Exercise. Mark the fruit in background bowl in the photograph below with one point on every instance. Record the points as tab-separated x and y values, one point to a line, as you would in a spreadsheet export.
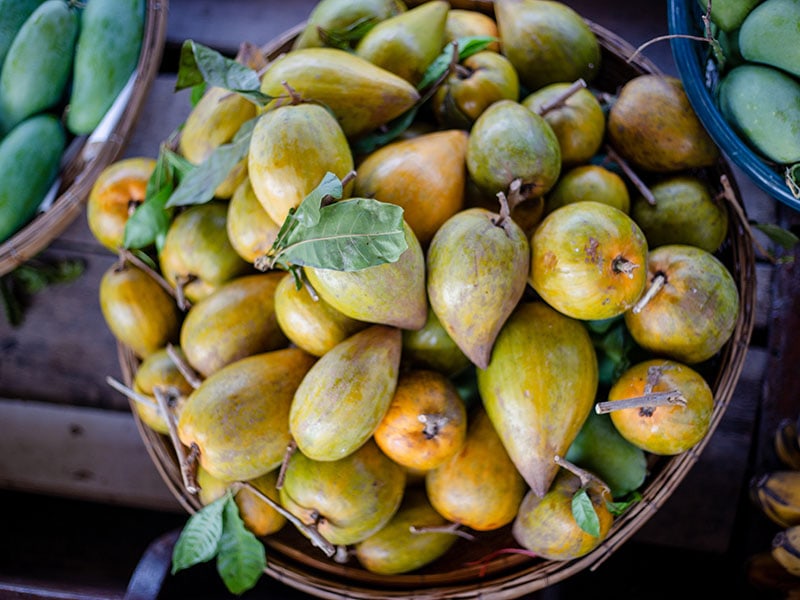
589	260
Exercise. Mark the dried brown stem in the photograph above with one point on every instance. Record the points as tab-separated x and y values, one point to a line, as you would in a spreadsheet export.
561	98
585	476
659	281
450	528
187	463
631	174
126	255
186	370
310	531
129	393
291	447
649	400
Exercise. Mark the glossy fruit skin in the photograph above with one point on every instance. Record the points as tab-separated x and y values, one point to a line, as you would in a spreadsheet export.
234	321
351	498
479	81
334	15
251	231
653	126
695	313
396	549
239	416
477	265
547	42
479	487
589	182
431	347
507	142
346	394
311	323
663	430
465	23
158	369
425	175
291	149
684	213
116	193
589	260
137	310
426	422
539	388
579	123
197	248
546	525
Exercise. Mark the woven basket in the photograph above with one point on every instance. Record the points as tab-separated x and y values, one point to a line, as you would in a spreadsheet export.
470	569
85	158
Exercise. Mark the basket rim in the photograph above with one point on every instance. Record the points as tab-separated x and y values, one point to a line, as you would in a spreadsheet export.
78	172
513	577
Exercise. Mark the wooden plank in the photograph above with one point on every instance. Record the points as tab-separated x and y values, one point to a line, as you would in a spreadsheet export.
78	452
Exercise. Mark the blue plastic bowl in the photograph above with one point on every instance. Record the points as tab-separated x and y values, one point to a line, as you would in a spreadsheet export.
697	71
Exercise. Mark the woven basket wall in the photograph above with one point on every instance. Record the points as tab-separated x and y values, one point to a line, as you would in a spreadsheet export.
293	561
84	160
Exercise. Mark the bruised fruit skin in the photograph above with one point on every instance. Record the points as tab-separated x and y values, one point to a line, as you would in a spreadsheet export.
425	175
239	416
547	527
664	430
344	396
589	260
291	150
426	422
372	294
361	95
137	310
396	548
477	265
348	499
236	320
654	127
539	388
311	323
478	487
116	193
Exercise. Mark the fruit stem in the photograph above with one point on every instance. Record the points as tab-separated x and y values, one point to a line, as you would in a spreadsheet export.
623	265
129	393
631	174
290	449
187	463
659	281
182	366
433	424
648	400
317	539
451	528
562	98
128	256
585	476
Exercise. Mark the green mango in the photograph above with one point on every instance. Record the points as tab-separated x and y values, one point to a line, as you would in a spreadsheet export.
762	104
407	43
728	14
771	35
15	13
344	21
600	448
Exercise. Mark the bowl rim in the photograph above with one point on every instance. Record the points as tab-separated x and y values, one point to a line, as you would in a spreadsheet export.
683	19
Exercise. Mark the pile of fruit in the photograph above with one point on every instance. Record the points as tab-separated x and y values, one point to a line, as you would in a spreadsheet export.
415	280
756	47
62	65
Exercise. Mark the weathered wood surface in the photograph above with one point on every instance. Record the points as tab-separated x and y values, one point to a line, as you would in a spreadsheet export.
57	361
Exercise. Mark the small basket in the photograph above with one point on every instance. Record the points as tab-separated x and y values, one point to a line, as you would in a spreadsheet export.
85	158
473	569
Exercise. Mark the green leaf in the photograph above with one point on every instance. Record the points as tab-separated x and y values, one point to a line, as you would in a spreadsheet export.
200	64
241	559
351	234
308	213
783	237
149	222
344	38
584	513
200	183
620	506
199	540
467	46
32	277
372	141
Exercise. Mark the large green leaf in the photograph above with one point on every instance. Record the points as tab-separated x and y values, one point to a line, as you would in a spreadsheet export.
200	537
241	559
